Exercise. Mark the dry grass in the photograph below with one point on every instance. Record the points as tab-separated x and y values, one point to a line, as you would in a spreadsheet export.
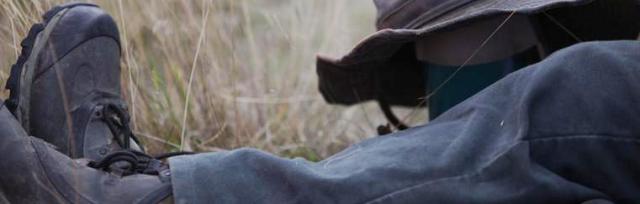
242	69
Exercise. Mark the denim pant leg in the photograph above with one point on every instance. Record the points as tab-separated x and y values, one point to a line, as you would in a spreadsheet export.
550	133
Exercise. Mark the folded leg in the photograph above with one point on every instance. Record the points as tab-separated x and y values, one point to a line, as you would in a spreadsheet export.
560	131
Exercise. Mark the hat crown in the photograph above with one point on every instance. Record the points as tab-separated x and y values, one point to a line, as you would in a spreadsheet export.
396	14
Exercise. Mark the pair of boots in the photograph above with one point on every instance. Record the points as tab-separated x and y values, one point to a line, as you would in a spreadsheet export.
65	91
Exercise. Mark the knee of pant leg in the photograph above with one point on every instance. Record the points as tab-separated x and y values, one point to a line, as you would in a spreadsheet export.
591	88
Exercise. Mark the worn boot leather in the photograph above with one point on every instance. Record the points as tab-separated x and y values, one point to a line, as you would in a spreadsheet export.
65	87
33	172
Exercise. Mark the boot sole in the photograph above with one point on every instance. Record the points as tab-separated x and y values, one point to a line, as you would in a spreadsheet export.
22	73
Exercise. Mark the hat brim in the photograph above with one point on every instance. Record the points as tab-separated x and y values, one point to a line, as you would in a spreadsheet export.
372	70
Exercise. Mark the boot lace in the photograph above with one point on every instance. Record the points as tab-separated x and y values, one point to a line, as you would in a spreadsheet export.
117	119
128	161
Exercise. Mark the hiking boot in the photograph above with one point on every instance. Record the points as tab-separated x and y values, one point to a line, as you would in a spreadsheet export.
33	172
65	86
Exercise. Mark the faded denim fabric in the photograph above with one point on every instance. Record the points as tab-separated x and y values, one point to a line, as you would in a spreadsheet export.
565	130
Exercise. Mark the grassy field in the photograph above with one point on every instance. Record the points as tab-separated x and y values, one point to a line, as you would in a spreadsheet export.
224	74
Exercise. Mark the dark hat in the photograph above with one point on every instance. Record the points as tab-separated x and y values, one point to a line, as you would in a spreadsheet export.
384	66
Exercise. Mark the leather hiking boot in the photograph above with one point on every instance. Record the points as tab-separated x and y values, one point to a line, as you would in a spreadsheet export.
65	86
33	172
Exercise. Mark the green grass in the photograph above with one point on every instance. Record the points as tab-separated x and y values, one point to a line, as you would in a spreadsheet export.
246	68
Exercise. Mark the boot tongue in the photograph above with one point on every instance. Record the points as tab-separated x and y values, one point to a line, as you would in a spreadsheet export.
108	131
116	148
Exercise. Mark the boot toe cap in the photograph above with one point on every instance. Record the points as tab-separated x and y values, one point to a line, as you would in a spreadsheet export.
77	25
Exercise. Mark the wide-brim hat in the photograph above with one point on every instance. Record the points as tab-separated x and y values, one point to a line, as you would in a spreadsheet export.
384	67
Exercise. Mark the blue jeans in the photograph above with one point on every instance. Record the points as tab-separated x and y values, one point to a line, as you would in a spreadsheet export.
565	130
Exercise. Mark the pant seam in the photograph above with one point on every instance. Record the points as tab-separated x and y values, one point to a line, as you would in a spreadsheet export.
585	136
